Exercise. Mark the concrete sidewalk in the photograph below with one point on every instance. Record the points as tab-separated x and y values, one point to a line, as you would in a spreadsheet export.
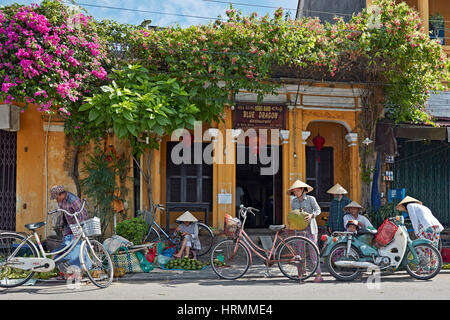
256	270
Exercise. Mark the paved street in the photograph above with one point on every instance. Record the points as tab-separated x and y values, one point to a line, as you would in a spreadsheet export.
253	286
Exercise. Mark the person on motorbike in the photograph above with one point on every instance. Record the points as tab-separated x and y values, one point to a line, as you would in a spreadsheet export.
424	223
354	209
335	218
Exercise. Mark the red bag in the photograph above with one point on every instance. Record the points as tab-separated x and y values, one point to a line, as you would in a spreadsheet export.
150	255
385	234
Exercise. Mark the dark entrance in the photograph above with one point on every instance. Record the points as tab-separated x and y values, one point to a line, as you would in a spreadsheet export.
8	164
261	191
320	175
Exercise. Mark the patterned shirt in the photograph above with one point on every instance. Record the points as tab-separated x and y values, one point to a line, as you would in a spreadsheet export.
72	204
310	205
335	218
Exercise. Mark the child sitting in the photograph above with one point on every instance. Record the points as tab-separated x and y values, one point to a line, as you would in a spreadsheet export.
188	229
352	226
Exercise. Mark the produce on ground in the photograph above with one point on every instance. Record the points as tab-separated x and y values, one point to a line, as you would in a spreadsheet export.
186	264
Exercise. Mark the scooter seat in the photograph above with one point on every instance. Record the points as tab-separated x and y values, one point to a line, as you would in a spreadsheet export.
34	226
277	227
366	231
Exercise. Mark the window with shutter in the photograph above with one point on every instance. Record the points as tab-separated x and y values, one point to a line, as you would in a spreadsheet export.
188	182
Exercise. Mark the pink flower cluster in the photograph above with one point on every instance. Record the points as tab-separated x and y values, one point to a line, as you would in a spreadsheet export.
45	63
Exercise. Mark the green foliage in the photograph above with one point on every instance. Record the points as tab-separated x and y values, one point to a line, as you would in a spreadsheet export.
100	184
384	212
137	105
132	229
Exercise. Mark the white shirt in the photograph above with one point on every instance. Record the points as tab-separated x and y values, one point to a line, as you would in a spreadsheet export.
422	218
364	222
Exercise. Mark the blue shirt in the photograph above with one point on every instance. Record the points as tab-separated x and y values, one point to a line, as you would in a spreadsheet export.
336	215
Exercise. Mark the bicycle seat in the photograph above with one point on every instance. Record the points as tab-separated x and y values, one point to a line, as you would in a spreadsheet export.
34	226
277	227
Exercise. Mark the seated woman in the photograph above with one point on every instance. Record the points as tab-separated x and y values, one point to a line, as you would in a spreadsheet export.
354	209
188	229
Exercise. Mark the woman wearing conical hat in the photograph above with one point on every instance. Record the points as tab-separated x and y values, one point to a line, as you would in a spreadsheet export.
354	209
335	217
188	229
425	225
309	204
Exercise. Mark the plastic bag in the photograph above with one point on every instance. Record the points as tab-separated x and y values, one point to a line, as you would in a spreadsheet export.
146	266
169	252
151	253
162	260
115	242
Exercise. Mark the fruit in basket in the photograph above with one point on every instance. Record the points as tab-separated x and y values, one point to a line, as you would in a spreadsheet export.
296	219
119	272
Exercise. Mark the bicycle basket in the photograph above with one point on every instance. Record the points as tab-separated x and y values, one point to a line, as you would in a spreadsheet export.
91	227
232	225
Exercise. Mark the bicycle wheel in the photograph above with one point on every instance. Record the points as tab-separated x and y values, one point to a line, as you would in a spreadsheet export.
95	260
430	262
206	238
9	276
298	258
339	253
151	236
229	259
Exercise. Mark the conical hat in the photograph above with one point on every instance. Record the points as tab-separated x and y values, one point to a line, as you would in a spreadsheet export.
407	199
187	216
299	184
353	204
337	189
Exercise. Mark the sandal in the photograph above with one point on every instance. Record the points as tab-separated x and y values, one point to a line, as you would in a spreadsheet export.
318	279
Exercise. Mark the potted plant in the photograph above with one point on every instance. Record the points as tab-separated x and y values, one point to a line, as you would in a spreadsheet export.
437	28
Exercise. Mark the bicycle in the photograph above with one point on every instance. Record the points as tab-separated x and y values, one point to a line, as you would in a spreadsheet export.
297	257
155	231
19	253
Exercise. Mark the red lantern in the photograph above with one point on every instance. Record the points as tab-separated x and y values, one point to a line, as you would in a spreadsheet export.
256	141
318	142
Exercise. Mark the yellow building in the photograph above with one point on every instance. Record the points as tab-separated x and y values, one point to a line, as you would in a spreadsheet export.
298	113
39	155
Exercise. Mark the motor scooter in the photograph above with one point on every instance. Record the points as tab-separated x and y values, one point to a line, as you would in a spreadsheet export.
348	254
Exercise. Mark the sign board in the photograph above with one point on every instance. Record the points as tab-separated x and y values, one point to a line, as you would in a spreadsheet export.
264	116
225	198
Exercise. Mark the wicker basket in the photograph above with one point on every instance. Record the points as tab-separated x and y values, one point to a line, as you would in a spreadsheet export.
231	227
91	227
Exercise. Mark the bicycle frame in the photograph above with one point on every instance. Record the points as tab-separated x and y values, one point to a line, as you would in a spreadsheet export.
158	228
64	251
250	246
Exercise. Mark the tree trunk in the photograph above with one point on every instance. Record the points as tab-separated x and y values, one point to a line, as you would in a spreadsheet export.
372	110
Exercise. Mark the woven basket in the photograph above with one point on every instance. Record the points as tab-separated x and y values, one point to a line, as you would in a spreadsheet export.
91	227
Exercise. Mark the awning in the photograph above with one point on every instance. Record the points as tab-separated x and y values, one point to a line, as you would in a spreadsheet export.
387	132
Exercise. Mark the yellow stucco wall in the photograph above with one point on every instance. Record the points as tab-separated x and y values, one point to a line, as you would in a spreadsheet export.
44	159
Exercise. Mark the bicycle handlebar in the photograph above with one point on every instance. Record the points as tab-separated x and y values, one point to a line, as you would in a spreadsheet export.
243	210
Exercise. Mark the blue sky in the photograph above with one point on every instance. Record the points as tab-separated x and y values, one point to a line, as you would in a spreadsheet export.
197	8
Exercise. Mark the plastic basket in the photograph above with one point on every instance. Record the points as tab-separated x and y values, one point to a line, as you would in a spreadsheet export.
385	234
91	227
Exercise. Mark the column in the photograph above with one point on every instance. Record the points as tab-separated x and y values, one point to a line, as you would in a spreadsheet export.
424	12
355	185
224	170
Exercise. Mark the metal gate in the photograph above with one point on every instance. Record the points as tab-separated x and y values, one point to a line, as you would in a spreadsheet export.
8	163
423	168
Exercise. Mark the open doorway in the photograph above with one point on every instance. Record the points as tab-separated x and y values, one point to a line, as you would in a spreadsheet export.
261	191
